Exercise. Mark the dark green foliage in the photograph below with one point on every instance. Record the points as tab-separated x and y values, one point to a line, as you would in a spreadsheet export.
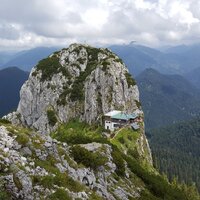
119	60
130	80
60	194
93	53
45	181
77	90
138	104
119	161
147	196
50	66
4	121
4	195
99	101
156	184
87	158
51	117
134	153
62	98
105	65
176	150
22	139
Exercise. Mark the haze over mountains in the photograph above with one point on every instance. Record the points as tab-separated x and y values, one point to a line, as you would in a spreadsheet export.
25	60
175	60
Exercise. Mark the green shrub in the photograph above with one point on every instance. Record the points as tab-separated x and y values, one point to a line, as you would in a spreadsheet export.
87	158
63	180
138	104
49	66
22	139
77	90
45	181
4	121
121	140
119	162
119	60
105	65
129	79
94	196
51	117
60	179
134	153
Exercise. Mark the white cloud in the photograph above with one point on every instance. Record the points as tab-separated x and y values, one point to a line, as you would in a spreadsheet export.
58	22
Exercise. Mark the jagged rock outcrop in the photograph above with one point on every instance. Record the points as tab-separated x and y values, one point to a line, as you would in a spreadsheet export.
77	82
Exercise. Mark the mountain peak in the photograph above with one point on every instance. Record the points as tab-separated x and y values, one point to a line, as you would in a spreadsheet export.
81	82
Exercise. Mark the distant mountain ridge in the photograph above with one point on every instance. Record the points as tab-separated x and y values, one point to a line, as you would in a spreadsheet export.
27	59
167	99
11	80
175	60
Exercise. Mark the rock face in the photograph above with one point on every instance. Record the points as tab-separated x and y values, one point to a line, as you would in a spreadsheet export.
35	166
78	82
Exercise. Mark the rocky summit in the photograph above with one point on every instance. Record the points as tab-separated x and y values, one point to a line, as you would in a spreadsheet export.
55	146
78	82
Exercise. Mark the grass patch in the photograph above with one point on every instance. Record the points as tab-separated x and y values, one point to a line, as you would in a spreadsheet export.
126	139
60	194
60	180
22	139
75	132
23	134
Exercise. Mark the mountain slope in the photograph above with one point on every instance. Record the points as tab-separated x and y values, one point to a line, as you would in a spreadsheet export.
25	60
78	85
11	80
35	166
176	150
166	99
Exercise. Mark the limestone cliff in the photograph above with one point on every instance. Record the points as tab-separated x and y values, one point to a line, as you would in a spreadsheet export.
77	82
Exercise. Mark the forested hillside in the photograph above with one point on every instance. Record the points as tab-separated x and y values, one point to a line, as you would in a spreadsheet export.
167	99
176	150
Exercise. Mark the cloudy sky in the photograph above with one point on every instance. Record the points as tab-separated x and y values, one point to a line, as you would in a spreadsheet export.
26	24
